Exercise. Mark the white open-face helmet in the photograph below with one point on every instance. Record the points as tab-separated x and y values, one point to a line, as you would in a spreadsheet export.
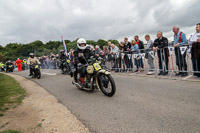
81	41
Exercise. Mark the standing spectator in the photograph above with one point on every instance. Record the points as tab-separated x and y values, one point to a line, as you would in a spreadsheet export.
97	51
141	47
92	49
69	55
115	53
135	50
71	58
57	61
47	62
54	62
139	43
127	47
51	60
122	60
19	62
179	40
71	50
105	53
109	48
127	44
195	51
41	60
149	57
160	45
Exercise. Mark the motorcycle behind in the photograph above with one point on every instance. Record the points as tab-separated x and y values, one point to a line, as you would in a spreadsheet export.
66	67
36	71
9	68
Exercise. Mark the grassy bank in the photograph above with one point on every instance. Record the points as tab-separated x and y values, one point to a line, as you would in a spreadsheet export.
11	93
10	131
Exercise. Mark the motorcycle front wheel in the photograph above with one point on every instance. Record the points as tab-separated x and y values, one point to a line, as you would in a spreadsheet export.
107	85
38	75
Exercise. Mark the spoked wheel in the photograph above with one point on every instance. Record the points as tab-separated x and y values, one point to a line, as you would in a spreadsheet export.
68	69
107	85
64	70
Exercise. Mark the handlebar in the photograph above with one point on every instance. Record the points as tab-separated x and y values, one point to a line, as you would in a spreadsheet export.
90	62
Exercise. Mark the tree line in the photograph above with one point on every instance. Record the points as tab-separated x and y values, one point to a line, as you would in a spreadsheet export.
12	51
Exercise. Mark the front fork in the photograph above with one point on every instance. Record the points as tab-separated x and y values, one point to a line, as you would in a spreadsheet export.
97	77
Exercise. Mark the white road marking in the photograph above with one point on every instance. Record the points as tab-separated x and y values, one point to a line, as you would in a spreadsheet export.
48	73
187	77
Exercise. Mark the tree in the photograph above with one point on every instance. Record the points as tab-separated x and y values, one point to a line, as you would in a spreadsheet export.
102	43
2	58
91	42
11	50
52	44
67	41
1	48
114	42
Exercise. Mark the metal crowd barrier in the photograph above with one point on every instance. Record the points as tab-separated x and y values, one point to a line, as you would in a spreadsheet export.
167	61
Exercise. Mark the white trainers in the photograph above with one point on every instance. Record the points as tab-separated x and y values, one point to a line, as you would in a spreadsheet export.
150	72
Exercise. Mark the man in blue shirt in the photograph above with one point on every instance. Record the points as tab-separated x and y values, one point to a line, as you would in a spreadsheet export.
180	40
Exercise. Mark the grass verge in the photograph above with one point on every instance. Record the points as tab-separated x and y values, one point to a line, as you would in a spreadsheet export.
11	93
10	131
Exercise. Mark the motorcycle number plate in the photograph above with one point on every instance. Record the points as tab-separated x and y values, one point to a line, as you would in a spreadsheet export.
97	66
36	66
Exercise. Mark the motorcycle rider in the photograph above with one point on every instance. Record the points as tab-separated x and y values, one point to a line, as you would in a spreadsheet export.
32	60
2	67
63	58
81	54
8	64
24	66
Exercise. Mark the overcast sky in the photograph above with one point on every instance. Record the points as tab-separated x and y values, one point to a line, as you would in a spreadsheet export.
25	21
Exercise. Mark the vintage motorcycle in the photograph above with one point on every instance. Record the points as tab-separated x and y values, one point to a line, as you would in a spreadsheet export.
66	67
2	69
96	78
9	68
36	71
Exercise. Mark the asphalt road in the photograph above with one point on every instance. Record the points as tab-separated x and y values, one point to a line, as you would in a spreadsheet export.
140	105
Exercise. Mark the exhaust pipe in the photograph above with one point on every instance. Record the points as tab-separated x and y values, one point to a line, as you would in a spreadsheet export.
74	83
79	86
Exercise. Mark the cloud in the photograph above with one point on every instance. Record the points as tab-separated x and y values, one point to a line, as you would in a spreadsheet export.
25	21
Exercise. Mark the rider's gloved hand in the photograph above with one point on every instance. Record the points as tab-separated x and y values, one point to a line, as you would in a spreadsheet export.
79	64
99	58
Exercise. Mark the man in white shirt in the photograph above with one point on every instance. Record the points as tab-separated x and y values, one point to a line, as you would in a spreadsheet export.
115	53
195	51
